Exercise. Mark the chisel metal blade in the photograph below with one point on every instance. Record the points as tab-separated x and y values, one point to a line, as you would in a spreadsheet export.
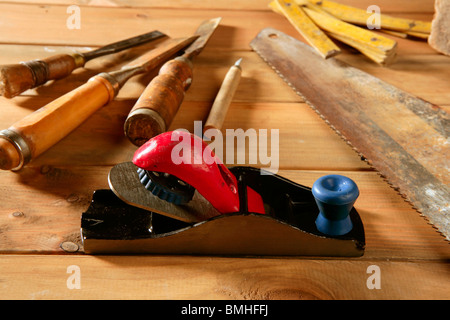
122	45
405	138
204	32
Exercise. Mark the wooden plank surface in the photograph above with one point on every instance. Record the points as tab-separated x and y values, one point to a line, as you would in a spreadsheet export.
41	206
387	6
37	226
199	278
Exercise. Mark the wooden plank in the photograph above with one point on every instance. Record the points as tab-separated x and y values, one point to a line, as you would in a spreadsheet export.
49	27
211	66
50	24
385	5
315	146
325	150
209	70
190	278
41	208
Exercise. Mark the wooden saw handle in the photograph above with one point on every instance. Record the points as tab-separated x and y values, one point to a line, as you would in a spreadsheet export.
158	104
34	134
17	78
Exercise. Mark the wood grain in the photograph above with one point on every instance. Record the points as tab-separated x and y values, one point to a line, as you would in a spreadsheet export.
236	30
211	66
385	5
197	278
158	104
41	206
315	146
14	79
61	194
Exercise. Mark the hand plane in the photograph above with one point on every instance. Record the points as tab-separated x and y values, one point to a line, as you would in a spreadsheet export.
177	197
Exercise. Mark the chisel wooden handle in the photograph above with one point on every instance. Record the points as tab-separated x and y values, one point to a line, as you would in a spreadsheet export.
17	78
156	107
34	134
223	99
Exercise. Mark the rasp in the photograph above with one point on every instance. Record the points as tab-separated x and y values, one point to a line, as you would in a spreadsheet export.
16	78
405	138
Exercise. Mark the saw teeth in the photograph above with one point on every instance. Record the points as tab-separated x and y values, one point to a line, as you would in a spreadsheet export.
163	192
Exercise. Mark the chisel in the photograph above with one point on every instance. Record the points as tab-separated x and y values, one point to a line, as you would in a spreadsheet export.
34	134
223	99
156	107
17	78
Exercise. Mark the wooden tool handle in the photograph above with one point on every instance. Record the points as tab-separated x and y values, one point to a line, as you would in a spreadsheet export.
34	134
157	106
16	78
223	99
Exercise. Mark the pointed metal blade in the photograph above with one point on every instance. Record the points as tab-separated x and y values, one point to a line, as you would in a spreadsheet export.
123	44
204	32
160	54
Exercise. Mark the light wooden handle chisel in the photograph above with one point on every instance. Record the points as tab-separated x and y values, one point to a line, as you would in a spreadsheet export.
34	134
223	99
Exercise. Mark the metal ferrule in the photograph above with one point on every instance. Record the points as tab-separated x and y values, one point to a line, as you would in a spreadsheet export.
112	80
118	78
79	59
39	70
21	146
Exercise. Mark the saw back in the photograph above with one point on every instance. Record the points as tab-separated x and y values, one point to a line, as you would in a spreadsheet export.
404	137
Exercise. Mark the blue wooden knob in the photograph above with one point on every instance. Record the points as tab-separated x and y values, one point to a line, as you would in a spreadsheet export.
335	196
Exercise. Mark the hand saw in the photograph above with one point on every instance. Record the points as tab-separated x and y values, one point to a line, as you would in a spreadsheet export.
404	137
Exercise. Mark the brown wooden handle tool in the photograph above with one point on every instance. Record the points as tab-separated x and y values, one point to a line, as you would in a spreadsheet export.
16	78
158	104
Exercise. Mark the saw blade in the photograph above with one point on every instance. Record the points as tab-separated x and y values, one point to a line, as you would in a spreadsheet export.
403	137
